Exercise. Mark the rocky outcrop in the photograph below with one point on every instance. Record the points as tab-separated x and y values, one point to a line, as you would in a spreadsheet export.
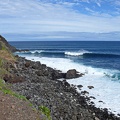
73	74
13	78
90	87
11	48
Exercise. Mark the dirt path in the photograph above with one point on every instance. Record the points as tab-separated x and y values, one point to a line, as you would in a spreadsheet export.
12	108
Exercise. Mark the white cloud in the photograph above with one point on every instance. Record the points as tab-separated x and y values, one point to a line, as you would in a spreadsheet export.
112	36
98	4
31	16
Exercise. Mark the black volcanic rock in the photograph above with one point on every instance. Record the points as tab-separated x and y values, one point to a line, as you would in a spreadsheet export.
41	87
72	73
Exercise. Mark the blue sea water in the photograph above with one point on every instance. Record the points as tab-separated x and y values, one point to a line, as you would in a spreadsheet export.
100	54
98	60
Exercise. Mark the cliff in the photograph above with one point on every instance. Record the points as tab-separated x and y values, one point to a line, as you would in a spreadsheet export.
3	40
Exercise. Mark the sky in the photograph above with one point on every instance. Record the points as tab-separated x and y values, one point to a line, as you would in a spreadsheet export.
60	20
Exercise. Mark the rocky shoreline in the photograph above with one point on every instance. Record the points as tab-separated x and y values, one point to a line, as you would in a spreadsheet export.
41	86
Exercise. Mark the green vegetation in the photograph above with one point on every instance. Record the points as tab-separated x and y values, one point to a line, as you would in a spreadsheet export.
5	57
45	111
5	89
3	71
5	53
4	47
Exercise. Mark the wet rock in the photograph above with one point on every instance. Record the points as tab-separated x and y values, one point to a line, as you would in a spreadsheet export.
71	74
91	97
57	75
79	86
84	92
118	114
90	87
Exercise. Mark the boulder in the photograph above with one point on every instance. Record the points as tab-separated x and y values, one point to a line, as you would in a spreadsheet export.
13	78
84	92
90	87
36	65
72	73
57	75
79	86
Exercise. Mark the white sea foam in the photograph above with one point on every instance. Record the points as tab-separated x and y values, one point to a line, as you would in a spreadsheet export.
105	89
79	53
21	52
36	51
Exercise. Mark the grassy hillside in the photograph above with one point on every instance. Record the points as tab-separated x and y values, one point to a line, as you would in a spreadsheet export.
6	58
5	53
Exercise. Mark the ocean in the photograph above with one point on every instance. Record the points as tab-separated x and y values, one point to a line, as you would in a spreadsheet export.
98	60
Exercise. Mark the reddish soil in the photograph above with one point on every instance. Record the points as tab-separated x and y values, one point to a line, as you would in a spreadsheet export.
12	108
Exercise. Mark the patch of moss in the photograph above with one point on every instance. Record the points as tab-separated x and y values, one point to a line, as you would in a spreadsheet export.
45	111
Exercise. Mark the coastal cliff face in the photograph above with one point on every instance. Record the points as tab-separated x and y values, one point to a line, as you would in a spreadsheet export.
6	57
3	40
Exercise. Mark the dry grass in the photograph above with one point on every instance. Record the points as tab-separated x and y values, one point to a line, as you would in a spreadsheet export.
4	54
5	57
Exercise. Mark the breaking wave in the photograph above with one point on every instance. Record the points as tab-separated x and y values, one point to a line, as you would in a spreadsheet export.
79	53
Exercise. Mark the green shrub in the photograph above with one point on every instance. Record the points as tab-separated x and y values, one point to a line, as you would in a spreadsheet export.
45	111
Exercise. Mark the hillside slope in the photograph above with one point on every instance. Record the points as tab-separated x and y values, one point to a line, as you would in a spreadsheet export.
12	107
11	48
